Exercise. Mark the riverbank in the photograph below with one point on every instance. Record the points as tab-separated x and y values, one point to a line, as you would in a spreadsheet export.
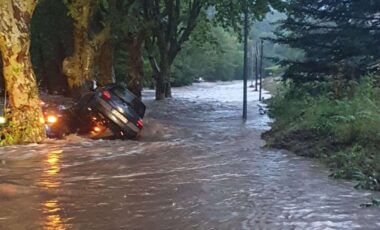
344	133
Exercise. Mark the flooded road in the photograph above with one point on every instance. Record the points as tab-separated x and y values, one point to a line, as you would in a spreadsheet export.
196	166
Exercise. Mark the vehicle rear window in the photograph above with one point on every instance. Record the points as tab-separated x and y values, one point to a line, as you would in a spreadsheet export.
130	99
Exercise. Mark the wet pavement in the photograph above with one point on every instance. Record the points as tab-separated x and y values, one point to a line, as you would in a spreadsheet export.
196	166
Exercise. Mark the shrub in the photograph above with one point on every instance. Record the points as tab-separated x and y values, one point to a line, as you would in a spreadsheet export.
347	128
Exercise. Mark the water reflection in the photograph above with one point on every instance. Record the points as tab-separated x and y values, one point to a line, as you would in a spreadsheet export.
53	220
50	180
51	169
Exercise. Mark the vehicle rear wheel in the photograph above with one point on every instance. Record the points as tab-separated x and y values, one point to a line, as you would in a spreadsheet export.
116	130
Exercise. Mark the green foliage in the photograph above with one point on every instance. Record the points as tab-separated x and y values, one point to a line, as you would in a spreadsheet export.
220	60
127	19
327	108
356	163
212	53
347	129
174	23
229	13
339	38
11	134
80	11
6	138
120	63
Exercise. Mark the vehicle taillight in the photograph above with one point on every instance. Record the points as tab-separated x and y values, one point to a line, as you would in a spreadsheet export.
106	95
140	123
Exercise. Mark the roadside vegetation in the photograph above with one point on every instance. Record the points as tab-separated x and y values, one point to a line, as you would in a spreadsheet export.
328	104
344	132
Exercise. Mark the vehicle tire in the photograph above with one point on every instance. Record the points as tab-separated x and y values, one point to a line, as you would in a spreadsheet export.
119	133
116	130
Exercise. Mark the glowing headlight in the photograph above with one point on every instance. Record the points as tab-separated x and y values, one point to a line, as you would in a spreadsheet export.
97	129
52	119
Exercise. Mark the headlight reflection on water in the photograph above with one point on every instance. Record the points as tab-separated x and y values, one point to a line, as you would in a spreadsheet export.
50	180
51	169
53	220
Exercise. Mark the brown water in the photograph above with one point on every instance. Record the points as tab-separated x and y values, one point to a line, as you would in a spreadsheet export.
196	166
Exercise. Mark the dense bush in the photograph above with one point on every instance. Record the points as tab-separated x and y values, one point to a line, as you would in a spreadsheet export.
344	130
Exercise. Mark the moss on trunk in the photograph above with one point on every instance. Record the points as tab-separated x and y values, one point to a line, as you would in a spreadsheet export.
24	111
79	68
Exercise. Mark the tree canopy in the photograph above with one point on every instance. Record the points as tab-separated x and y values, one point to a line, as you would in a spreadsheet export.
76	41
339	38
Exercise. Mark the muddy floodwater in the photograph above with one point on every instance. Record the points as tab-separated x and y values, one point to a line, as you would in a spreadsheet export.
196	166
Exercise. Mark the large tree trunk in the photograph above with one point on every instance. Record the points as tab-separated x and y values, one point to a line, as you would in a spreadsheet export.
168	52
2	83
160	87
79	68
163	78
105	63
135	63
163	86
25	112
165	66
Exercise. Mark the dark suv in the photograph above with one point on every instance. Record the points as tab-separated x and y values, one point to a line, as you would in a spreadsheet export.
110	111
111	108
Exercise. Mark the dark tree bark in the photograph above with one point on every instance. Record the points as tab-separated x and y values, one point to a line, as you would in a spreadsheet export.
134	43
52	71
105	63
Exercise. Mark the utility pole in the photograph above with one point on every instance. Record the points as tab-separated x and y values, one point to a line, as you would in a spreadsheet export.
252	63
245	62
261	69
256	65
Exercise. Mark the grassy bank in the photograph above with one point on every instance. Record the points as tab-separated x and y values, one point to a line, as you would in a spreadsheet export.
343	131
